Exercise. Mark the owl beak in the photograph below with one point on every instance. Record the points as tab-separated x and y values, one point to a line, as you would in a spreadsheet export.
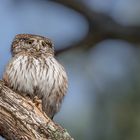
37	48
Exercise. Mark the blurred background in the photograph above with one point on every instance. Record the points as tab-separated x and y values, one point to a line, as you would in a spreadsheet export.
98	42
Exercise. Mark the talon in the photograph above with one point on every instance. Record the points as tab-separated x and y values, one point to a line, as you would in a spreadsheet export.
38	103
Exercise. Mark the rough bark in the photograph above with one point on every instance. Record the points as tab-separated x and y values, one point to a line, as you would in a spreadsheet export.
20	119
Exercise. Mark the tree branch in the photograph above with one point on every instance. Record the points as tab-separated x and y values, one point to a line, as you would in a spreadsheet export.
101	27
20	119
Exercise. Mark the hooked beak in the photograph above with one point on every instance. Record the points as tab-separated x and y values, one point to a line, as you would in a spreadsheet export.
37	47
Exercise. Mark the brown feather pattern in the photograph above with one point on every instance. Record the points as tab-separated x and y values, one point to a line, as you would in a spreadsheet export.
34	71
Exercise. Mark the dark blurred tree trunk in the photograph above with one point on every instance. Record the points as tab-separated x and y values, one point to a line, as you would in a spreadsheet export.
101	27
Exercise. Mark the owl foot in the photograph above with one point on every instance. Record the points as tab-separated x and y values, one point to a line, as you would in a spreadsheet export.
38	103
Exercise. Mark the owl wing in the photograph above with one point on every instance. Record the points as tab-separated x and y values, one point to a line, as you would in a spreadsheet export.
5	78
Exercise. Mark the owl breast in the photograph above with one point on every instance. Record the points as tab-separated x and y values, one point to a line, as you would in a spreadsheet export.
43	77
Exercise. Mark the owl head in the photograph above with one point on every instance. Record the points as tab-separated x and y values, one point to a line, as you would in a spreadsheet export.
33	44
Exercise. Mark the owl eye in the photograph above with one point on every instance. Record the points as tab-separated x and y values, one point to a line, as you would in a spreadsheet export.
45	43
29	41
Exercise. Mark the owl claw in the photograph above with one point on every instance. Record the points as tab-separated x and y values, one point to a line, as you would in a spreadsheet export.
38	103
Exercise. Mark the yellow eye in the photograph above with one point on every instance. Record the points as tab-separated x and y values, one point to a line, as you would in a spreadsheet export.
29	41
45	43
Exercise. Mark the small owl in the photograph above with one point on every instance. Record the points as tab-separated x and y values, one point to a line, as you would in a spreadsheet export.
34	71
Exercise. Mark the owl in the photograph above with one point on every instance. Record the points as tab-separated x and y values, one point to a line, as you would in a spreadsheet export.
34	71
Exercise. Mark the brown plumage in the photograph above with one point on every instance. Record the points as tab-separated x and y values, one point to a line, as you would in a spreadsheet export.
34	71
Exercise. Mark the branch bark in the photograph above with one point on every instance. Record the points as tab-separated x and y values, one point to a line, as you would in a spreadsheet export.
20	119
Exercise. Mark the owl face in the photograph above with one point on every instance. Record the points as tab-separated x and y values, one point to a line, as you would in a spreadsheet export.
33	44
